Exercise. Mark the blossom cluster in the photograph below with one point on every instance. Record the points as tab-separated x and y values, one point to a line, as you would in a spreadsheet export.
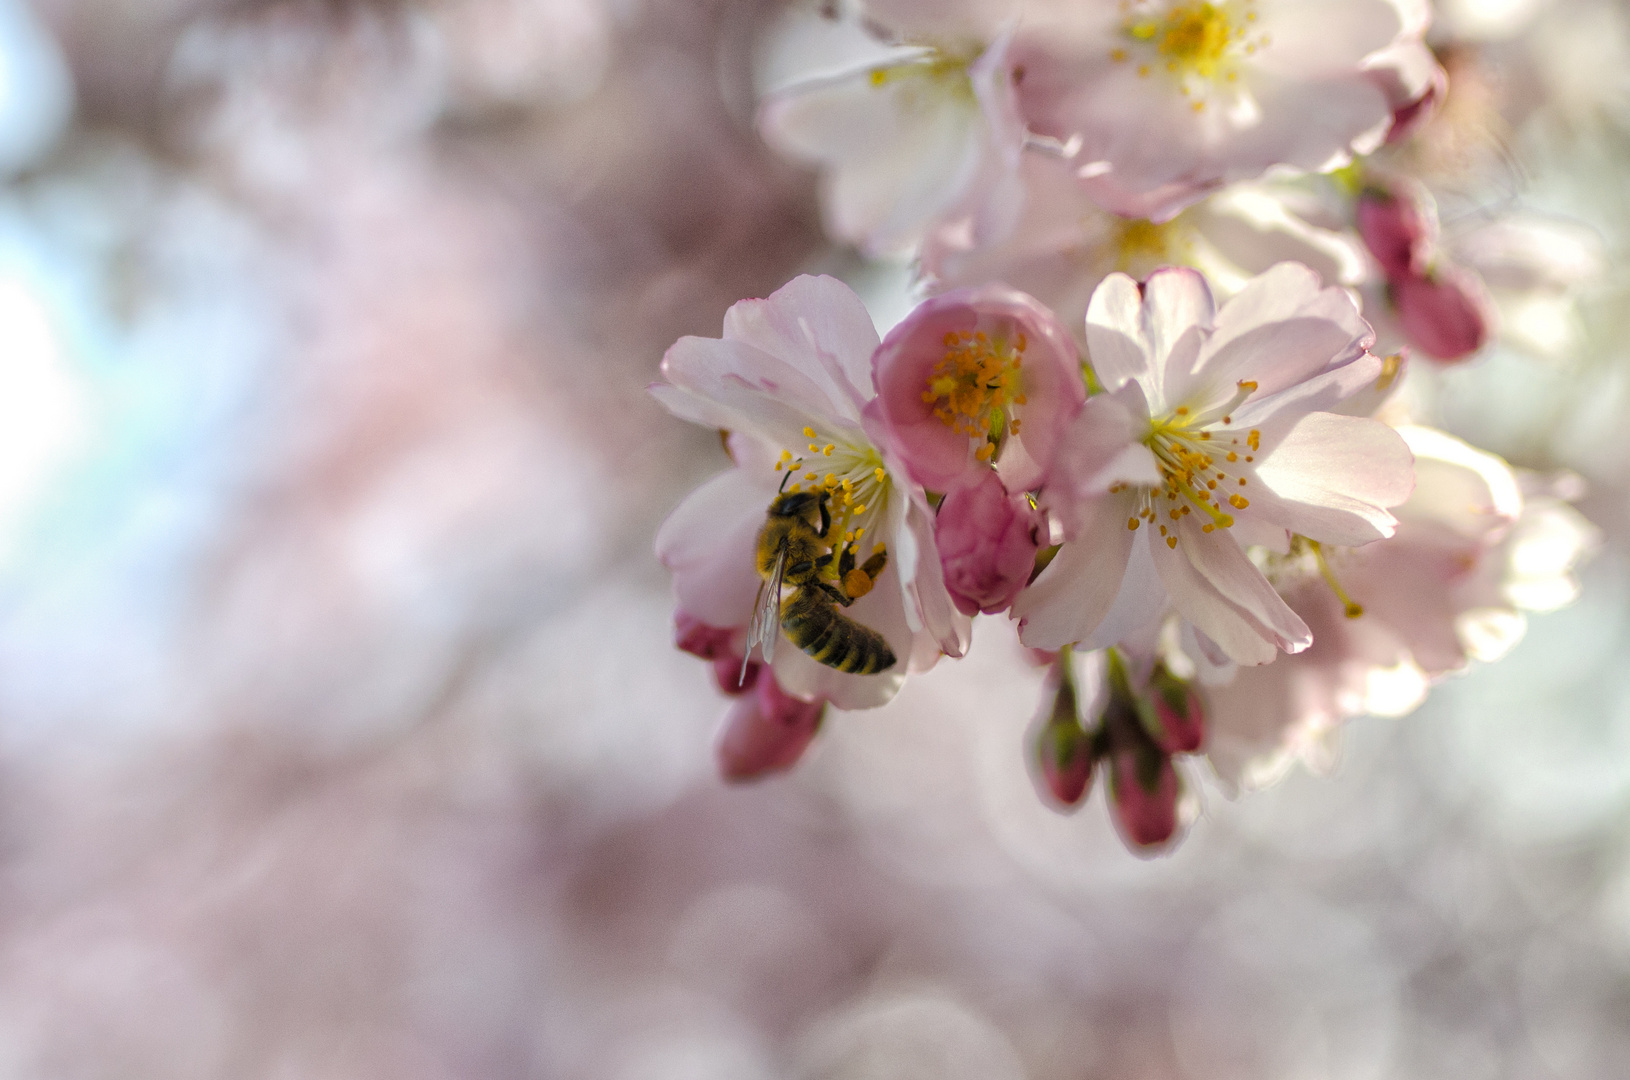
1175	259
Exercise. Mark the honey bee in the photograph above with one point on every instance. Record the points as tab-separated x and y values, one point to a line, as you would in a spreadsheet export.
793	551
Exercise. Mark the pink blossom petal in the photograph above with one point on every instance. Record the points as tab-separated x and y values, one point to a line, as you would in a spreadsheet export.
733	386
1280	329
927	593
898	153
1331	477
817	325
1220	560
1070	598
1099	449
1243	639
708	542
1177	316
1117	345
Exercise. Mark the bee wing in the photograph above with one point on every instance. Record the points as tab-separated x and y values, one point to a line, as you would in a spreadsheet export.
766	624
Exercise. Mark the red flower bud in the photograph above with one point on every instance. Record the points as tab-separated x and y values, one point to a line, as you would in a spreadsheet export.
1179	712
1143	790
766	731
1399	230
1064	755
732	678
696	637
988	540
1446	313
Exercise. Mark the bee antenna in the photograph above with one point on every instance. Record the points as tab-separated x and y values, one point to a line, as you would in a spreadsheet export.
784	478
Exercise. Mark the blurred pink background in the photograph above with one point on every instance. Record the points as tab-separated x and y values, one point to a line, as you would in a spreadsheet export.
341	732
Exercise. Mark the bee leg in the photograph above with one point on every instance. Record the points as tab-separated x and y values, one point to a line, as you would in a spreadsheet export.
846	561
874	565
798	571
826	517
835	593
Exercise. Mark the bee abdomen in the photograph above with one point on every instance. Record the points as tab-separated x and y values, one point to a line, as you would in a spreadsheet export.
833	639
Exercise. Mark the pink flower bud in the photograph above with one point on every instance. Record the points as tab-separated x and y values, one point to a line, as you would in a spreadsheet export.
766	731
1446	314
1143	790
719	645
732	678
1398	229
696	637
973	377
987	541
1064	753
1179	712
1411	116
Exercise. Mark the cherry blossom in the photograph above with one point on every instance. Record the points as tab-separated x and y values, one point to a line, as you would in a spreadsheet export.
1214	434
1062	244
928	138
789	381
1159	102
1472	553
975	378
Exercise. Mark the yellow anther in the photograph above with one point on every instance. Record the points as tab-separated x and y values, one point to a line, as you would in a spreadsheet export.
984	452
1248	385
809	476
1207	527
878	550
809	433
1254	440
880	474
1238	502
1117	55
1171	542
828	448
1132	523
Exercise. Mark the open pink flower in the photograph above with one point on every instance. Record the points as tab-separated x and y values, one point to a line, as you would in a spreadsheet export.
1471	554
988	538
1062	244
1215	434
1160	101
926	139
789	380
975	377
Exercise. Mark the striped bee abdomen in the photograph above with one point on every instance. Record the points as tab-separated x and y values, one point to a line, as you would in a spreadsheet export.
813	623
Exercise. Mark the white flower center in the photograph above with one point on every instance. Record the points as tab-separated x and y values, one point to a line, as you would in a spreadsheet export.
1204	465
852	476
